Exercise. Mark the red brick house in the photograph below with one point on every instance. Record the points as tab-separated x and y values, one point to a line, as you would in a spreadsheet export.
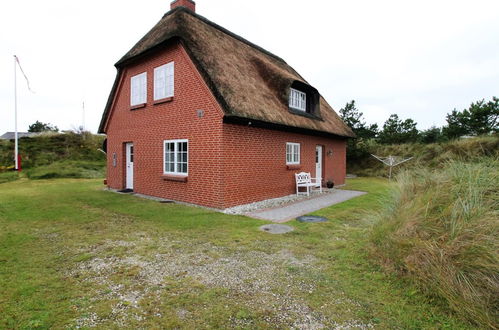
200	115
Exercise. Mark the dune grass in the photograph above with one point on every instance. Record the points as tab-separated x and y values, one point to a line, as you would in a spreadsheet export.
51	147
78	169
55	155
433	155
441	231
68	169
72	254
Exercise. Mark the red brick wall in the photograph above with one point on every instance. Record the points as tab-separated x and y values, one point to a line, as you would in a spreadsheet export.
255	162
228	164
148	127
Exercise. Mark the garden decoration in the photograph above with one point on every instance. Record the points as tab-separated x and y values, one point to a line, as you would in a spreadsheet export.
391	161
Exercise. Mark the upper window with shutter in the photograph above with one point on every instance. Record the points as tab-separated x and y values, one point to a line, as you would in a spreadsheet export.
138	89
164	81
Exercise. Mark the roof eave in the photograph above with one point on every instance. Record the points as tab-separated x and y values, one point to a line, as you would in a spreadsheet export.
109	102
245	121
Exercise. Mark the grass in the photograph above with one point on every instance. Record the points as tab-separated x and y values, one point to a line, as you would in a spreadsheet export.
82	169
8	176
68	169
55	155
72	255
441	231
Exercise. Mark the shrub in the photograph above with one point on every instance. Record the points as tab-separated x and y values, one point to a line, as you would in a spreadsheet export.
441	230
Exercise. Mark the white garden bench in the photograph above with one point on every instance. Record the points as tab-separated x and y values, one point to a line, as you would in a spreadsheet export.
303	180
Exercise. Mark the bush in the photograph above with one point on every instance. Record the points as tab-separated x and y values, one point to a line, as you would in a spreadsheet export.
68	169
441	230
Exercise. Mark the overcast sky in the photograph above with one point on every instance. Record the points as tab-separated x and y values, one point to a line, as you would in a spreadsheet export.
419	59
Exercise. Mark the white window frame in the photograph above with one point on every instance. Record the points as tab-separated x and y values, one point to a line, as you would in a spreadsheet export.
138	89
292	153
175	155
164	81
297	100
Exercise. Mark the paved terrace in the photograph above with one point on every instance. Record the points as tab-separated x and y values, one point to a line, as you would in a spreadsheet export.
290	211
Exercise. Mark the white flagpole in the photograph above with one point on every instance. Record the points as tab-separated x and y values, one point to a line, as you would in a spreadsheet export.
83	117
16	144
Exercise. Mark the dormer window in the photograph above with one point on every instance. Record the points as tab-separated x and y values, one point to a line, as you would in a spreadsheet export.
297	100
304	100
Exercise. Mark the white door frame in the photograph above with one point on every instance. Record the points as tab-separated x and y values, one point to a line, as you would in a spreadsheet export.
129	155
318	162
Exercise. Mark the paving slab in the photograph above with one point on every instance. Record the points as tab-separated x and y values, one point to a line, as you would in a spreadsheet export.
276	229
293	210
311	219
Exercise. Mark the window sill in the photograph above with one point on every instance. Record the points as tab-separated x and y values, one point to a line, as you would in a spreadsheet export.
138	106
305	114
298	109
175	178
165	100
293	166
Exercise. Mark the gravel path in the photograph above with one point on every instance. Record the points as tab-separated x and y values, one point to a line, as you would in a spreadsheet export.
258	280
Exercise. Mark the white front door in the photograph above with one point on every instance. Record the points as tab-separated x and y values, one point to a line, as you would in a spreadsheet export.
318	163
129	166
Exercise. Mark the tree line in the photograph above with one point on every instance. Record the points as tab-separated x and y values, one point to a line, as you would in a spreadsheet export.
480	118
38	127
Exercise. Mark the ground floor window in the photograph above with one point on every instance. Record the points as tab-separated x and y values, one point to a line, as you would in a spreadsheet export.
292	153
176	156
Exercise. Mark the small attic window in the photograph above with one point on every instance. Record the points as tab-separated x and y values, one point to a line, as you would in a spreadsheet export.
297	100
304	100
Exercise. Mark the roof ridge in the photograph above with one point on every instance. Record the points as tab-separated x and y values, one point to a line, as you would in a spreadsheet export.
224	30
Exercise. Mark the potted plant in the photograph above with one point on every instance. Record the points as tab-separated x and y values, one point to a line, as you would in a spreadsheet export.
329	183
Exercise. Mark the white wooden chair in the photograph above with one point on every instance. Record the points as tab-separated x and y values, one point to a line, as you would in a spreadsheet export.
303	180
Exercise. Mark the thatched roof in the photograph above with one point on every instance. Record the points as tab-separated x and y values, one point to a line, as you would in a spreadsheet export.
249	82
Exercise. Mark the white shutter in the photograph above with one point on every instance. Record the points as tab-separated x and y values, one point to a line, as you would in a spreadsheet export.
160	82
134	89
143	88
170	79
296	153
138	89
164	81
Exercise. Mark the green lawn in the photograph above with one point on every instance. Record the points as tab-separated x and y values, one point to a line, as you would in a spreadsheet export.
73	255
